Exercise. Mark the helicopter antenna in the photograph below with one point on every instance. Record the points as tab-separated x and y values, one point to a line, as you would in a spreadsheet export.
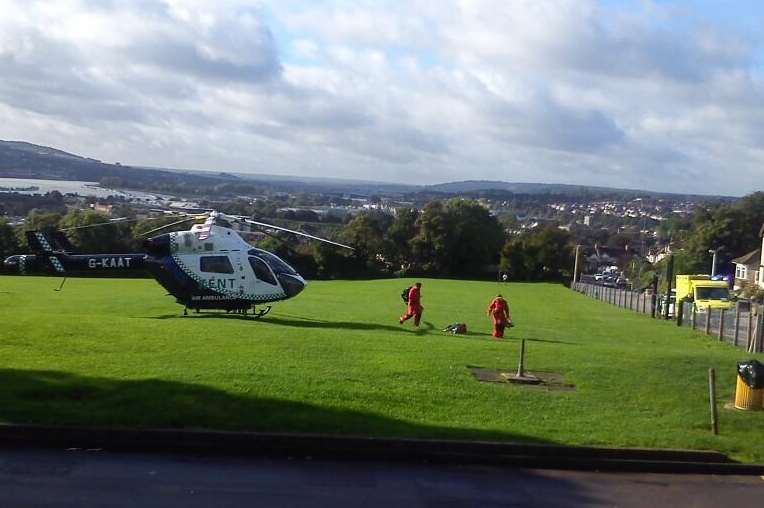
291	231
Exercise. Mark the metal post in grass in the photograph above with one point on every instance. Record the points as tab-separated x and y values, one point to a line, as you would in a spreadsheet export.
708	320
721	325
521	365
712	401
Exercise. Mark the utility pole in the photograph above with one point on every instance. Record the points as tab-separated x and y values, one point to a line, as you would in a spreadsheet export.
669	280
713	261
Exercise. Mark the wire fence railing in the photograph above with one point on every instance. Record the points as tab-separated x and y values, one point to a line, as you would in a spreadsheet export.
741	326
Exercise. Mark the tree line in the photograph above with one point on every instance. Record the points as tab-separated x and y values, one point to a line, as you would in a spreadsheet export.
446	238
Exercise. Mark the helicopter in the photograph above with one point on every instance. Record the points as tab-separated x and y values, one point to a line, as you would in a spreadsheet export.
210	266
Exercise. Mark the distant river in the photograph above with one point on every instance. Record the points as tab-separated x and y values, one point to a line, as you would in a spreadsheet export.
68	187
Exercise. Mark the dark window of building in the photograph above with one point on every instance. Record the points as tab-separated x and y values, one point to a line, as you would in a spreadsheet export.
215	264
262	272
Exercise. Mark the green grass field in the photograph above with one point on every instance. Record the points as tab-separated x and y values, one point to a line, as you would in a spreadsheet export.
334	359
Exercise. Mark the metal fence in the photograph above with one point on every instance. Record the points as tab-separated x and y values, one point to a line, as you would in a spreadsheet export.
741	326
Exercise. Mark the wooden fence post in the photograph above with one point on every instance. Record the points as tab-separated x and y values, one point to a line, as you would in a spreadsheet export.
679	309
712	400
721	325
737	324
708	320
694	316
755	345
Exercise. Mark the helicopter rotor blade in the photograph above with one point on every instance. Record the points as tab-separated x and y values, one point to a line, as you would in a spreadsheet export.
146	233
119	220
292	231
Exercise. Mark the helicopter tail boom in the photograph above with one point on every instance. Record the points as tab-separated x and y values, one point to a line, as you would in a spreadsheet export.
58	263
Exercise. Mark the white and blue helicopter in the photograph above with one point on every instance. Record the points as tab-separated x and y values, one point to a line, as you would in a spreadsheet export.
210	266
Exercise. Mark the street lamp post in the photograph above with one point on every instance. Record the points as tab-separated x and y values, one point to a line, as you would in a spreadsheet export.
713	261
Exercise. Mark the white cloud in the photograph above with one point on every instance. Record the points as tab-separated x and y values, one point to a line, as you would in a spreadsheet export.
536	90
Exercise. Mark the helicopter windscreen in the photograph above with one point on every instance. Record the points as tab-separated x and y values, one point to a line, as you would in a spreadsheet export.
276	264
262	272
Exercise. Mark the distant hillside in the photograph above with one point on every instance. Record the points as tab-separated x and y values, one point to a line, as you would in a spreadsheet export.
19	159
476	186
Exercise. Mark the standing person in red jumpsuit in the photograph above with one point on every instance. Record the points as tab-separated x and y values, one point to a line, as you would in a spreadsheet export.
414	308
498	310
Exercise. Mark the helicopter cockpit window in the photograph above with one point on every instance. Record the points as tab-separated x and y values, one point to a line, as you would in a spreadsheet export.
262	272
276	264
215	264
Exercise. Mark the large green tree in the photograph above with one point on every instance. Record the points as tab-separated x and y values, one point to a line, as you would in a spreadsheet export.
477	237
91	232
431	247
732	229
397	248
458	237
365	233
543	254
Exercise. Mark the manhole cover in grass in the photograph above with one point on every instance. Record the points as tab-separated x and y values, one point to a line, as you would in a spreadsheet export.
545	380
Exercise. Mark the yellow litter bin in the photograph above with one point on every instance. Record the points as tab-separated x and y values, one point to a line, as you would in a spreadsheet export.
749	393
746	397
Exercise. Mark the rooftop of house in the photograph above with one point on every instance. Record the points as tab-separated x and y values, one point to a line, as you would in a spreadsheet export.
752	257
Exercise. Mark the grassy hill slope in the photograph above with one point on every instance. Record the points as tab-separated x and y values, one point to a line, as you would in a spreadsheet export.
334	359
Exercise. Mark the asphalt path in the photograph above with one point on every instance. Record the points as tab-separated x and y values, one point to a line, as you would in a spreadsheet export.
83	478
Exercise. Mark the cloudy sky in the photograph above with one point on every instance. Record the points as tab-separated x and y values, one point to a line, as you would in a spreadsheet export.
642	94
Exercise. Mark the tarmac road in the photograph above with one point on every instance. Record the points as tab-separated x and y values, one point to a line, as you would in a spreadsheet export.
75	478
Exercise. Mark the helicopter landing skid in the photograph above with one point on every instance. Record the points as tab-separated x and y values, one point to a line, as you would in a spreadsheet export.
260	313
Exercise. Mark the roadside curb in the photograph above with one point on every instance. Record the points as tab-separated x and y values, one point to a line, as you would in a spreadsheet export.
335	447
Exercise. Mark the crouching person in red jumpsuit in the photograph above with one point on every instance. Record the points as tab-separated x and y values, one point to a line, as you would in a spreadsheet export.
414	308
498	310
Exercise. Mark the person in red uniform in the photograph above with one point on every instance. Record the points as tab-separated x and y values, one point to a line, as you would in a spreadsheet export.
498	310
414	308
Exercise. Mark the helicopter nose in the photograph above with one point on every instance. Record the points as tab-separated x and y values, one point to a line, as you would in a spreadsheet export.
12	263
292	285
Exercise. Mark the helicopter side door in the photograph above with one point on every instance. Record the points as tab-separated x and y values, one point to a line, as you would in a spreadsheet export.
238	260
